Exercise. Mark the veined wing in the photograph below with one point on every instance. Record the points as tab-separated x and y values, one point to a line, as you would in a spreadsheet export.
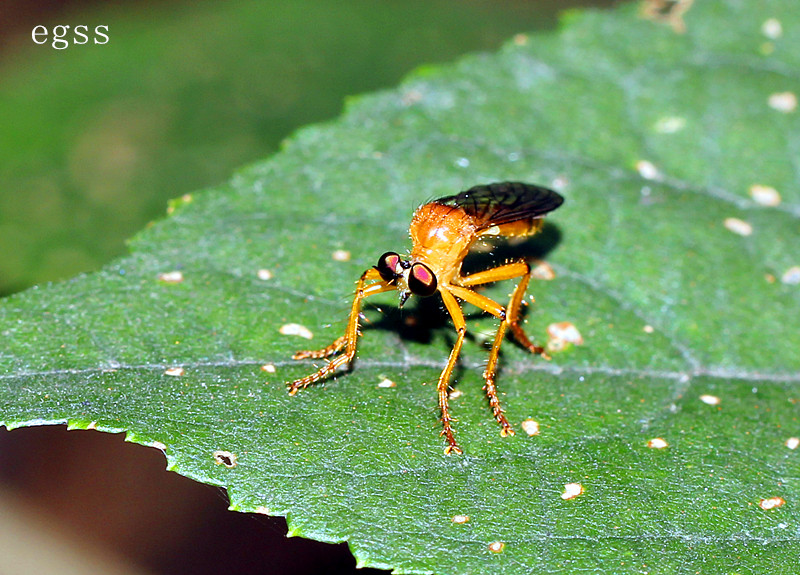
494	206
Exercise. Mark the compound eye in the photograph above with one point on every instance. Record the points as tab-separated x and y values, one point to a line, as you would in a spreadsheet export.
421	280
389	266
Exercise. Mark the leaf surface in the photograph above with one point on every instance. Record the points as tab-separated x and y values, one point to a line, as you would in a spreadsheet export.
656	139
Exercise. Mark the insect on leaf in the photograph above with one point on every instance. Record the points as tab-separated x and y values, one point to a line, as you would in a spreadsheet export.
660	437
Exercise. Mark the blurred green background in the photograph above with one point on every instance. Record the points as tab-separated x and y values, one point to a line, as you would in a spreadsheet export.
94	139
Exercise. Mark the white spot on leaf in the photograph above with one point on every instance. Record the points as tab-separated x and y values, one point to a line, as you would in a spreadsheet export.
571	491
543	271
791	276
497	546
710	399
530	427
296	329
771	503
564	332
772	28
341	256
648	170
560	183
174	277
670	124
765	195
657	443
783	102
739	227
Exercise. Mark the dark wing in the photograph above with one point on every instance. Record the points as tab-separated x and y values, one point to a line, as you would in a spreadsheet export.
504	203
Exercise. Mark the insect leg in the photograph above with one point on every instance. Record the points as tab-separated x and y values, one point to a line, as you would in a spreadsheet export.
442	387
340	342
332	349
512	316
500	273
348	340
489	387
509	317
506	272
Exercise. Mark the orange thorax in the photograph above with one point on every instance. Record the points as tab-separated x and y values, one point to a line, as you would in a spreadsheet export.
441	237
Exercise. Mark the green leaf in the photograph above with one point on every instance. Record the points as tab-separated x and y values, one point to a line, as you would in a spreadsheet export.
689	328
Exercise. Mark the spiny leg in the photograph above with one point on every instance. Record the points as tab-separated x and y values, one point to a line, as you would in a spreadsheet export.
506	272
509	318
442	387
340	342
348	340
334	348
512	316
489	387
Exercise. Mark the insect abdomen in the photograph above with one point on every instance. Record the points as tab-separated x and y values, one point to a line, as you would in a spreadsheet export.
525	227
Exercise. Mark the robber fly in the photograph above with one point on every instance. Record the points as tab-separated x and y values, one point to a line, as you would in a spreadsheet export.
442	232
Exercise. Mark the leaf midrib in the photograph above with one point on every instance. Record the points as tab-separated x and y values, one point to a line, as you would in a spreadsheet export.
366	363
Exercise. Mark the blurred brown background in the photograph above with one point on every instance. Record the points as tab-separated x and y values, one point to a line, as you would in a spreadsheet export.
95	139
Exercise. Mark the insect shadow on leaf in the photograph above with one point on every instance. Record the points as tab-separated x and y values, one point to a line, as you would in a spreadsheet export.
420	323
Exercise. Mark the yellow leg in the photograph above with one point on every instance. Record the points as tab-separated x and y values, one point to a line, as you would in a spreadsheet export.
332	349
461	328
500	273
348	340
509	317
